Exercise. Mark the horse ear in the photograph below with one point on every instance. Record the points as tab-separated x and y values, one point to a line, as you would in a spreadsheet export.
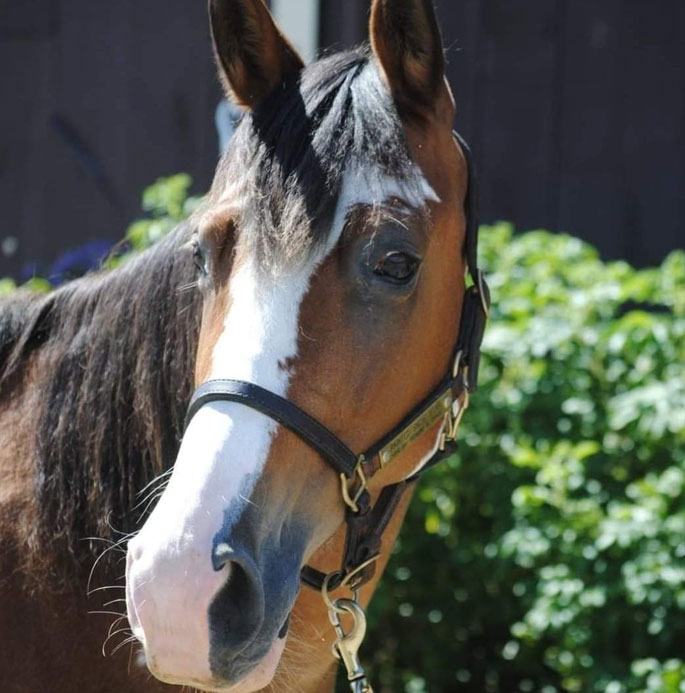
406	41
252	54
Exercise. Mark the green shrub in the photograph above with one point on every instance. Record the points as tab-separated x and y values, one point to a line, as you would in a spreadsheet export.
7	286
166	203
549	554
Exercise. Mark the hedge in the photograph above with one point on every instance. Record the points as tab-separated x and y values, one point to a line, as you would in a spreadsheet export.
549	554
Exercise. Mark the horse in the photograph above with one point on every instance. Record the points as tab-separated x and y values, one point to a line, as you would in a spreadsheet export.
312	302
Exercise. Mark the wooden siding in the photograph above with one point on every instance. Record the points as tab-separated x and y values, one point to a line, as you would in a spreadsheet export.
98	100
575	110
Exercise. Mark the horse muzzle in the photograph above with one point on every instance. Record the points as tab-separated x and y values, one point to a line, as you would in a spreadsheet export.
216	619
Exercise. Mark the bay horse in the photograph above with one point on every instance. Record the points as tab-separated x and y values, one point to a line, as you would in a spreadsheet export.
315	297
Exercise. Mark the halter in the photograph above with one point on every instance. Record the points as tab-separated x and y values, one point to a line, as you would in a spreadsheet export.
366	523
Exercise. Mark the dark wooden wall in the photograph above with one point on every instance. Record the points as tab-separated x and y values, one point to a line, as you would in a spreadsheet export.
98	100
575	110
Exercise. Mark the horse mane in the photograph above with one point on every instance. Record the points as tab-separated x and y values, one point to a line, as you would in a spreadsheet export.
16	311
118	348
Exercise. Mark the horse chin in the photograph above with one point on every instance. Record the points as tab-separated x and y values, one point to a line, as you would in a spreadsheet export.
258	678
263	674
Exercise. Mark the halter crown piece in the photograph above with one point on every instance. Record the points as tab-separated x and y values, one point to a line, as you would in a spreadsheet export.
366	523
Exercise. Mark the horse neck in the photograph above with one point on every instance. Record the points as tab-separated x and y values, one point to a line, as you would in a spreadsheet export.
113	369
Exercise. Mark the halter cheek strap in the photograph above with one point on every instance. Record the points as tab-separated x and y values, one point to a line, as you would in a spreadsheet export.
366	523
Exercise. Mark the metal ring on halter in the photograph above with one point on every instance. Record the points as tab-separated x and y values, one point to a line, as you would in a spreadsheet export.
332	607
347	582
331	604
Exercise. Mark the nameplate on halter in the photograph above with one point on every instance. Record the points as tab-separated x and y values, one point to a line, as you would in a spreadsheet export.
422	423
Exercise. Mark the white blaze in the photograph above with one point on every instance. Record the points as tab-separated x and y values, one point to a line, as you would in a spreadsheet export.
171	579
370	187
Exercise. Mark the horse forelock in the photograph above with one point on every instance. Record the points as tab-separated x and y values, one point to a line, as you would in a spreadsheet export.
328	139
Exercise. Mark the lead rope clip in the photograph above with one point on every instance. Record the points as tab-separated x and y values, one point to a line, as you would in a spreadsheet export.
347	645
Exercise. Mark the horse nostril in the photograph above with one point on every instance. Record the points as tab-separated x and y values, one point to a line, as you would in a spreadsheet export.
237	611
222	555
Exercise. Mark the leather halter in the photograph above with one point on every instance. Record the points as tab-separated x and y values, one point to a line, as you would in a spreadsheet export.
366	523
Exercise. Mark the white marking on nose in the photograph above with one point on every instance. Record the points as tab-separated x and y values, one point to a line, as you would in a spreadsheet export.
226	444
223	452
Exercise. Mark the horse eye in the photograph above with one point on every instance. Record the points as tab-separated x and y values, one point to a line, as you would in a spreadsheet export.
199	257
398	267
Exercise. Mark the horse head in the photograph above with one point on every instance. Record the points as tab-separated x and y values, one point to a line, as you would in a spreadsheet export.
330	258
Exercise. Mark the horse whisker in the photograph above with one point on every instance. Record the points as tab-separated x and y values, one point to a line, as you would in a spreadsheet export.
154	492
116	632
154	481
114	625
152	501
97	560
109	541
187	287
106	587
128	641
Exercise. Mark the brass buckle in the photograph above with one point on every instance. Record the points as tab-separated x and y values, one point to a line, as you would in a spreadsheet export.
350	497
457	363
457	414
453	418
